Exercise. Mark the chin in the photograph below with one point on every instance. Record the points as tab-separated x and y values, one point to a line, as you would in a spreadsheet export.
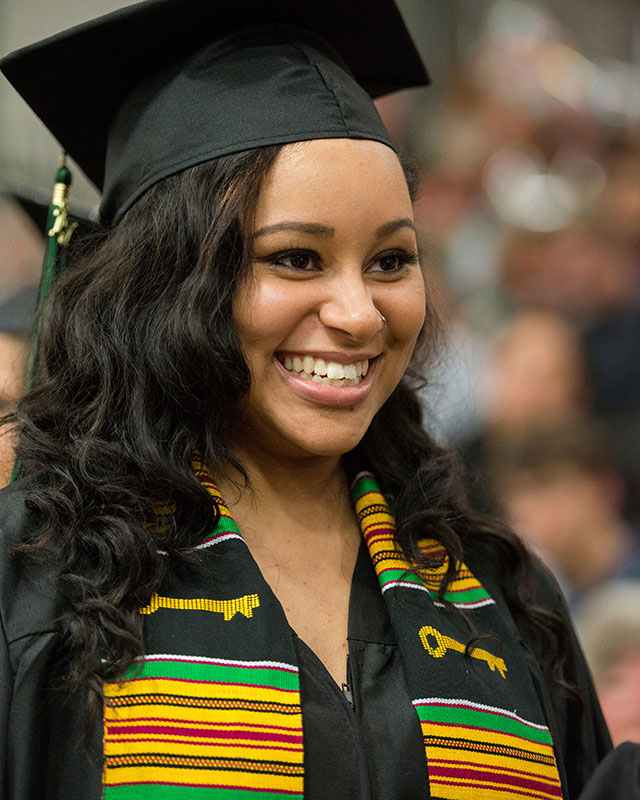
328	444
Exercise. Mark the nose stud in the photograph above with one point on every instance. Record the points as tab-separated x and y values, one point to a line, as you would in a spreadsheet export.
383	318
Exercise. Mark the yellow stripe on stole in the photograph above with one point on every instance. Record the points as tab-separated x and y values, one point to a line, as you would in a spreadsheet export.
216	749
193	689
196	715
431	578
185	745
484	736
225	777
501	763
376	520
484	791
380	514
392	563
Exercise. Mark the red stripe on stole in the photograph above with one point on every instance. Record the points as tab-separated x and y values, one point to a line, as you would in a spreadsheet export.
382	540
499	790
159	730
460	773
473	765
376	530
375	526
368	492
429	723
395	569
165	679
387	546
221	724
195	743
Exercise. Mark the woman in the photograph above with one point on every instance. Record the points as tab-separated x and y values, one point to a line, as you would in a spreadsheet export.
202	550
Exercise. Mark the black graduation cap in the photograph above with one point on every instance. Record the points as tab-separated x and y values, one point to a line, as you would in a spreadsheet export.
162	85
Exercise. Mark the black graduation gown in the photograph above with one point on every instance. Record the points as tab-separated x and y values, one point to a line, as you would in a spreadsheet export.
370	749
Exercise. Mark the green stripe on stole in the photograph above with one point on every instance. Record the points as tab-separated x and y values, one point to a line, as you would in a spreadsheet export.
214	712
477	747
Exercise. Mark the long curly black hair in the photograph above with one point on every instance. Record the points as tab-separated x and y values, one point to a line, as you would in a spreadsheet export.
141	366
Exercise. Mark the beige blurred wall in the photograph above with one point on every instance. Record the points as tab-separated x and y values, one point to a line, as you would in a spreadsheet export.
28	153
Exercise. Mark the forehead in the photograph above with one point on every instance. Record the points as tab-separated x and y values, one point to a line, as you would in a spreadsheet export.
333	178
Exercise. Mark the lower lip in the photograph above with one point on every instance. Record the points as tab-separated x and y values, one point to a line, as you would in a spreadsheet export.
326	395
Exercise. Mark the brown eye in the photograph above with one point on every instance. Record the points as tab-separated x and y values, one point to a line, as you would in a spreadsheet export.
393	261
293	260
296	260
390	263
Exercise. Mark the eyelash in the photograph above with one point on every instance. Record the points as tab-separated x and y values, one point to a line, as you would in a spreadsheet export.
403	259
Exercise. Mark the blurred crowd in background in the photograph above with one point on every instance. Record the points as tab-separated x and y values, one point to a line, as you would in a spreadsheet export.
528	210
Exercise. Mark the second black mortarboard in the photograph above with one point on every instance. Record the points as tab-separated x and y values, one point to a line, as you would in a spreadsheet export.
163	85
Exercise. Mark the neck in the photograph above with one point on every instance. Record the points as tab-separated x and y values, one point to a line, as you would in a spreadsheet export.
307	499
288	481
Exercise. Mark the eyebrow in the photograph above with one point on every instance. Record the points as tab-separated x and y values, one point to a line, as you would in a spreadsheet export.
395	225
316	229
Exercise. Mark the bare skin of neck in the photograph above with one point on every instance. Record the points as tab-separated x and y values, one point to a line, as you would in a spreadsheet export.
299	523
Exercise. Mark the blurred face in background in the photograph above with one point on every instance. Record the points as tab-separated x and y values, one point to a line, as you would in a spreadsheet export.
12	368
537	372
552	507
619	695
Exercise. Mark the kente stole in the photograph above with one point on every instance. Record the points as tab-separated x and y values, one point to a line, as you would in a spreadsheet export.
213	712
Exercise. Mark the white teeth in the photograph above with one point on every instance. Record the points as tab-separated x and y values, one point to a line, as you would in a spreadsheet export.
331	373
350	371
335	370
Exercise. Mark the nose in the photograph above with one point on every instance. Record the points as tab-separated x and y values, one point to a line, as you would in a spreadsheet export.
350	308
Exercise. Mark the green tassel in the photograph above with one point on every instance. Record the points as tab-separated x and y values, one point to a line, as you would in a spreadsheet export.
59	231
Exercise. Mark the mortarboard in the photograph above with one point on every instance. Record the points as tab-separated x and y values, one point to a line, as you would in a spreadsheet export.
162	85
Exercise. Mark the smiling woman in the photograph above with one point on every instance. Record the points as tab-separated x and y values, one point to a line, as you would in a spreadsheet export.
328	266
235	564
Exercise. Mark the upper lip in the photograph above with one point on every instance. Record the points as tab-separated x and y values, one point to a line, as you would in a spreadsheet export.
338	358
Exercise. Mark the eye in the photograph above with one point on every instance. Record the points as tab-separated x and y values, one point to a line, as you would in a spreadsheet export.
393	261
294	260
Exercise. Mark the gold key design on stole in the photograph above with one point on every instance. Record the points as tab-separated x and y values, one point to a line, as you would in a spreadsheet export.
444	643
228	608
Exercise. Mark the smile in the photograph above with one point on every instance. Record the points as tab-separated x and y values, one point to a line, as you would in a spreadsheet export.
330	373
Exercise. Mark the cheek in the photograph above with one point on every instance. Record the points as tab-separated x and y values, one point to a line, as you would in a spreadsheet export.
408	312
262	315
